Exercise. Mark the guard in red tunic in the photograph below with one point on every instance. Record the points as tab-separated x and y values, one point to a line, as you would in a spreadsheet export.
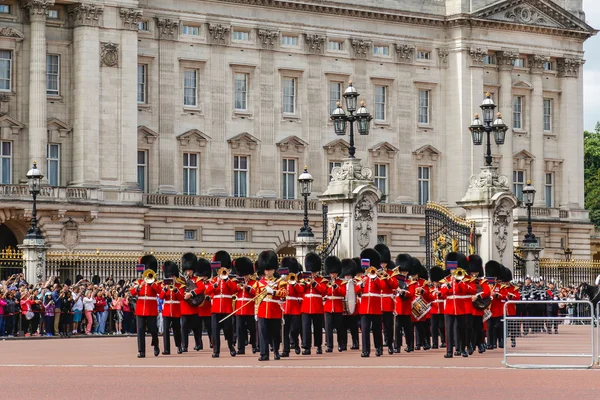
244	316
387	296
480	302
292	309
203	273
172	295
436	275
405	295
334	303
350	318
146	309
312	305
512	294
194	294
370	305
498	294
423	327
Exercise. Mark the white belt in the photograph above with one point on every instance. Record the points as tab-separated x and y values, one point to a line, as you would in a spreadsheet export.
222	296
371	295
172	302
313	295
244	298
457	297
438	301
146	298
391	296
294	298
334	297
268	300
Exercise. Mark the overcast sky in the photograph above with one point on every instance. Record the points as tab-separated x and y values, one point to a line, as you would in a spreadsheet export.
591	69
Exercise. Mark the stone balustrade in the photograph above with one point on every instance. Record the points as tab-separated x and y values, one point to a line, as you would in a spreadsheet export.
51	194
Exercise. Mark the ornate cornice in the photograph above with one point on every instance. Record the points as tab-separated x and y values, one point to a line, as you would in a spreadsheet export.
405	53
6	31
477	55
38	9
167	28
267	38
130	18
569	67
505	59
361	47
536	63
85	14
218	34
315	43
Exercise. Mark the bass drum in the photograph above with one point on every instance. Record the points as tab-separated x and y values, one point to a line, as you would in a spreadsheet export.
350	299
195	301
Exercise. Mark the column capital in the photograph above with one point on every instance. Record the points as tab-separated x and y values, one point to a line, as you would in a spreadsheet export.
443	56
505	59
536	63
38	9
219	34
405	53
167	28
477	55
569	67
130	18
85	14
268	38
316	43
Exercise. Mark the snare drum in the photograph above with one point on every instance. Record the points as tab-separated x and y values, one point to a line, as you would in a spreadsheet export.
420	308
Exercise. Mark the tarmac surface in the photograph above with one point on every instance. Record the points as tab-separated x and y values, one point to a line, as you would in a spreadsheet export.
107	368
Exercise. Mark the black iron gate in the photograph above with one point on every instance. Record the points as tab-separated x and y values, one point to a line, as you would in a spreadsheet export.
519	267
446	232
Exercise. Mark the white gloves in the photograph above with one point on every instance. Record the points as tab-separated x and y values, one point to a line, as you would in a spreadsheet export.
270	290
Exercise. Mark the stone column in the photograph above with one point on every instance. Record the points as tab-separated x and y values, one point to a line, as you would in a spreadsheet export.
86	88
531	255
536	134
167	94
34	260
38	134
505	65
304	245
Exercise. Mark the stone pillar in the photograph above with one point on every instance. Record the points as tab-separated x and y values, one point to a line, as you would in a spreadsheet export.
490	204
531	255
504	100
304	245
167	94
536	135
34	260
352	199
86	86
38	133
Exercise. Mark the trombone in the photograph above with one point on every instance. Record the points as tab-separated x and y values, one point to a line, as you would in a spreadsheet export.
149	276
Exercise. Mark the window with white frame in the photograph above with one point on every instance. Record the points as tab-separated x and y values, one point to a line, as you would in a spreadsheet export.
381	180
142	83
5	70
191	30
52	74
53	164
381	50
142	170
380	102
289	95
335	95
288	40
240	176
241	92
241	36
424	180
549	189
241	236
518	184
190	174
190	88
489	59
288	189
547	115
423	55
424	106
190	234
332	165
4	9
335	45
52	14
548	66
5	163
143	26
422	240
519	62
518	112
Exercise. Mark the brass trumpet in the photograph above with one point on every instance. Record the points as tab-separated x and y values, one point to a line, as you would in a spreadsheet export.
371	271
149	276
178	281
459	274
292	278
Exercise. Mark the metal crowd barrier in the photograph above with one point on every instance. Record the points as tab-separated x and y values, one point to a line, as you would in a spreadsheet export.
539	337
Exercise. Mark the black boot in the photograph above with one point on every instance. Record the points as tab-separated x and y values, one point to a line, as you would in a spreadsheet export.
457	353
480	349
241	352
354	346
471	350
443	345
297	350
397	350
285	354
319	350
379	351
364	354
306	352
263	358
276	353
141	355
390	350
156	351
328	350
215	355
179	350
448	355
501	344
166	353
254	350
513	342
465	354
435	346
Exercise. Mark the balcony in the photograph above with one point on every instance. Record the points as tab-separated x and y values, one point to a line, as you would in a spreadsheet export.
164	200
52	194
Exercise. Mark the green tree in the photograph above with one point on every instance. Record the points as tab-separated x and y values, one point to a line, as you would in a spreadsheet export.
591	162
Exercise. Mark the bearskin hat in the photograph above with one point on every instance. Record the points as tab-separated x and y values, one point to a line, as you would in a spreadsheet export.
333	265
424	274
357	265
188	262
403	262
267	260
312	262
223	257
170	269
95	280
373	257
384	252
243	266
291	264
493	269
437	274
150	262
203	267
475	264
416	268
460	258
507	275
348	267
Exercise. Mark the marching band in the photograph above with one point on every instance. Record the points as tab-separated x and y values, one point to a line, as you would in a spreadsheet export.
458	307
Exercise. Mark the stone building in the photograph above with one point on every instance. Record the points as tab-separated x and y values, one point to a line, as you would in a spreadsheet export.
183	124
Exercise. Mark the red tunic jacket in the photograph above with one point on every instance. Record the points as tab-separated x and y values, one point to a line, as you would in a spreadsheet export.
147	301
312	302
404	299
455	297
512	293
387	293
370	296
205	309
172	298
293	301
484	293
334	298
498	294
271	306
222	295
244	300
186	309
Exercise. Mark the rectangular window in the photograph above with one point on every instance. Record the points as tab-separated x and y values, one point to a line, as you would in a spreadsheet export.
424	106
381	50
190	174
190	88
548	66
518	184
143	26
5	70
52	14
52	74
549	189
380	102
142	86
289	40
241	92
332	165
335	95
422	240
517	112
241	36
424	177
381	180
240	176
288	190
5	163
289	95
519	63
381	239
4	9
142	170
241	236
489	59
53	166
423	55
190	30
547	115
190	234
335	45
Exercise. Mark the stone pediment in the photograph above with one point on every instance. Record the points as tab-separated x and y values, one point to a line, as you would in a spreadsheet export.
10	125
292	142
524	154
337	145
522	159
243	139
9	32
55	124
542	13
147	134
384	148
428	149
192	135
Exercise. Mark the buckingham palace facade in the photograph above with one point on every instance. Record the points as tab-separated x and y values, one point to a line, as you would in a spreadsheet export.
184	124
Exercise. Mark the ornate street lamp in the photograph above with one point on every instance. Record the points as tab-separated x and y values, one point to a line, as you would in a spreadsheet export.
341	119
528	198
568	254
489	125
34	177
305	180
